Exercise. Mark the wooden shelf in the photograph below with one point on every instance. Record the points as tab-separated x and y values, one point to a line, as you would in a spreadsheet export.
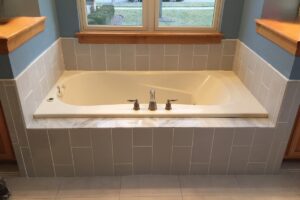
123	37
16	31
284	34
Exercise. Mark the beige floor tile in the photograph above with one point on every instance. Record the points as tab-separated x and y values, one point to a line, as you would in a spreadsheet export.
150	186
33	188
94	187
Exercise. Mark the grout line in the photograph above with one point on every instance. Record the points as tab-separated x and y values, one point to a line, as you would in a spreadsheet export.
112	149
92	149
152	134
72	154
51	153
191	156
25	168
251	147
211	150
132	167
230	154
172	151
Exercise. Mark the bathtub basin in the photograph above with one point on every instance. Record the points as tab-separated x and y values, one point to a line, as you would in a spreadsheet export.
105	94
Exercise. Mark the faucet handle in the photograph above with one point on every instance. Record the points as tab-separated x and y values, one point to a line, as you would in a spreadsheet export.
136	105
169	103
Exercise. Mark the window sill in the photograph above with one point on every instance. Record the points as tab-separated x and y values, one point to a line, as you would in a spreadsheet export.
122	37
284	34
16	31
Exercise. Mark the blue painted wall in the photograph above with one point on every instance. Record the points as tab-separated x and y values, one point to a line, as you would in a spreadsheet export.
231	20
276	56
24	55
68	17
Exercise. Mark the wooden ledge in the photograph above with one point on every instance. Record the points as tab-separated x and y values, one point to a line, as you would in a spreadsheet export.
123	37
16	31
284	34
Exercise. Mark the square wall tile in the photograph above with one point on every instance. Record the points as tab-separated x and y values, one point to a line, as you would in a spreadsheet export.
103	155
243	136
113	49
27	160
84	62
142	63
203	139
214	57
199	169
200	50
41	154
60	146
172	50
199	62
142	49
183	137
98	57
181	160
83	161
142	160
142	137
171	63
113	62
122	145
162	148
238	160
80	138
82	49
68	48
229	47
156	62
128	57
64	170
123	169
223	139
156	49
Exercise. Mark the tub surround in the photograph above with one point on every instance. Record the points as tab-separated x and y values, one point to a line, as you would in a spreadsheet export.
283	33
16	31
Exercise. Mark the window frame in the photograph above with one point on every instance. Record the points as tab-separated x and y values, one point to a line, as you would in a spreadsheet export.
150	10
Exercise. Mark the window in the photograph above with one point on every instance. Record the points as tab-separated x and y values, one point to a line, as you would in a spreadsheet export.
150	15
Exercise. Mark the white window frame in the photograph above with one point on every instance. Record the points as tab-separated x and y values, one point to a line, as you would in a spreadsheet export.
150	20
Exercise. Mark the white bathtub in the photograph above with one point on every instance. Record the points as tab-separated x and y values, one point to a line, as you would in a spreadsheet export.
105	94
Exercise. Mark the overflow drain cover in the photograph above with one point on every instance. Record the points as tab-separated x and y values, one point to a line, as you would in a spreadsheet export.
50	100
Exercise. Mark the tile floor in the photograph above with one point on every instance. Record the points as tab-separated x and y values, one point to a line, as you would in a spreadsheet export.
275	187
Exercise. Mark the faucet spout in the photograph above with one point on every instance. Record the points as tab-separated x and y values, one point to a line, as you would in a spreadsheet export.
152	102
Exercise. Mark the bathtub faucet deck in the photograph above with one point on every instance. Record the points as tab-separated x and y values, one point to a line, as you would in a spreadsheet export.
199	94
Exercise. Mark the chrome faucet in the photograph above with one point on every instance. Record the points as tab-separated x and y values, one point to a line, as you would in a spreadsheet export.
152	102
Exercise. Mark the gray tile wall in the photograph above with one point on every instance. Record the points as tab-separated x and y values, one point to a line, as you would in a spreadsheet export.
225	151
130	57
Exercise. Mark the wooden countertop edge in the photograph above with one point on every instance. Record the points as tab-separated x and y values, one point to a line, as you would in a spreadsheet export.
287	42
11	42
139	37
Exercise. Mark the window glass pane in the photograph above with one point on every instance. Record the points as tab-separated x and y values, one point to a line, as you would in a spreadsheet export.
186	13
114	12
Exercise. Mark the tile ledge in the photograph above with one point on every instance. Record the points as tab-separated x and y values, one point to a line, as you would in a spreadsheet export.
151	123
